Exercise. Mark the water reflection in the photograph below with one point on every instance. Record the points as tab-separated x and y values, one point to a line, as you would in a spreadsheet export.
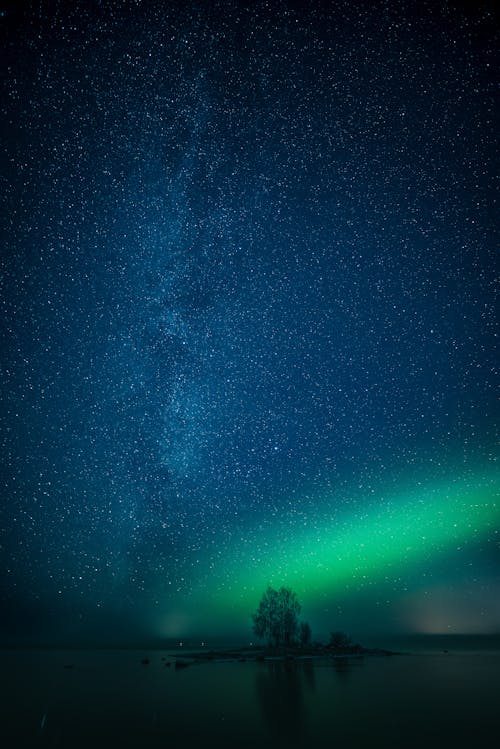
343	667
281	688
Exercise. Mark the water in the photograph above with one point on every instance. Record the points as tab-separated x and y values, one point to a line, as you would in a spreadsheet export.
110	699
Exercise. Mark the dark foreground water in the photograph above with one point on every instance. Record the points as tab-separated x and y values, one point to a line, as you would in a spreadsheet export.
110	699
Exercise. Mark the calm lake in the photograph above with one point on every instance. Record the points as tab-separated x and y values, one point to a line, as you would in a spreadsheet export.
56	698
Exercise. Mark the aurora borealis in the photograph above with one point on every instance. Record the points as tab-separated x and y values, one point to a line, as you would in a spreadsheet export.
398	534
248	322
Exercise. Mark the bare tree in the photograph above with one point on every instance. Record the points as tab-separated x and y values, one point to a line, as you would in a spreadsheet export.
340	641
276	619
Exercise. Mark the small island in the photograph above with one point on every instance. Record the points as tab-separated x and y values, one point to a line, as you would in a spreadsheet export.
284	636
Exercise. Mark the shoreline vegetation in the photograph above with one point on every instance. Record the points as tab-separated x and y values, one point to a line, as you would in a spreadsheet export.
287	638
276	621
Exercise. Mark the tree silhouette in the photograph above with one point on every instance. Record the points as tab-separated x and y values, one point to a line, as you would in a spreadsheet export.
305	634
340	641
276	619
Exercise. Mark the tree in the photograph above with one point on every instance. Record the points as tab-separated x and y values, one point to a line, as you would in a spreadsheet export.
305	634
276	619
340	641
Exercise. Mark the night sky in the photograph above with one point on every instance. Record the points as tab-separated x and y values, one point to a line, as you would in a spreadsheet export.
247	317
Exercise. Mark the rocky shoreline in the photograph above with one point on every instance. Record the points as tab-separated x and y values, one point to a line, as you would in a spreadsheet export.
290	655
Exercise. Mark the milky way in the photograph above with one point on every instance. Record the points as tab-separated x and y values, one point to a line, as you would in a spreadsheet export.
247	311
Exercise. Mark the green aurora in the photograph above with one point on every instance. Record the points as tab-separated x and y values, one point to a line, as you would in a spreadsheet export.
375	544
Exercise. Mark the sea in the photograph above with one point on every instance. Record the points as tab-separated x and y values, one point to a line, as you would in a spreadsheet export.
439	692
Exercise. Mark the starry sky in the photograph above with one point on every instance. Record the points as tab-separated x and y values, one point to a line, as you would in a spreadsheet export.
247	317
